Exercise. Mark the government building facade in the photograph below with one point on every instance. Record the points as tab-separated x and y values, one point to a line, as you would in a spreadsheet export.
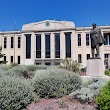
48	42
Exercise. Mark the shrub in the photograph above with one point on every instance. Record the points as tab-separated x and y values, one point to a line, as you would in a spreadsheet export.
55	82
83	69
4	67
89	90
104	97
70	65
35	67
19	71
14	93
107	72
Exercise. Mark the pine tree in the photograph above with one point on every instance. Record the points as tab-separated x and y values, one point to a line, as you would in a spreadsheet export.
1	56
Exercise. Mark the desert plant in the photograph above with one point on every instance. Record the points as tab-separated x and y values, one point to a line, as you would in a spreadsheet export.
15	93
104	97
35	67
107	72
18	71
55	82
89	91
71	65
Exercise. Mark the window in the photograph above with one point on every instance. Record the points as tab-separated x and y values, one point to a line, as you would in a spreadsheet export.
38	46
88	56
87	39
5	42
68	44
18	59
11	59
79	39
57	45
48	64
4	58
19	42
12	44
28	46
79	58
107	39
47	46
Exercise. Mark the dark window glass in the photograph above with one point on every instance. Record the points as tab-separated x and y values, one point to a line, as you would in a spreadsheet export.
79	39
5	42
19	42
57	45
47	46
68	44
18	59
79	58
11	59
28	46
12	44
87	39
48	64
4	58
88	56
38	46
38	63
106	55
107	39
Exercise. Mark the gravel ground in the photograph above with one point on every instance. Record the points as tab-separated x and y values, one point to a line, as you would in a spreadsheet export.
64	103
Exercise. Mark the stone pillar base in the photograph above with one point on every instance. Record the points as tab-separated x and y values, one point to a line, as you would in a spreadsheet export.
95	67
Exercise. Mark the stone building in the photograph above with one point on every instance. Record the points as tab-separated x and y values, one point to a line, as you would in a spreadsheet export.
49	41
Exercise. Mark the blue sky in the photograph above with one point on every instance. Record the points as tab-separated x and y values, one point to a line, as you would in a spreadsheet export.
82	12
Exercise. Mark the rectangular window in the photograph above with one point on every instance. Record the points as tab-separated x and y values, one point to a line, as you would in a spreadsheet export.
79	39
79	58
19	42
18	59
57	45
5	42
12	44
11	59
87	39
4	58
28	46
88	56
68	44
38	46
47	46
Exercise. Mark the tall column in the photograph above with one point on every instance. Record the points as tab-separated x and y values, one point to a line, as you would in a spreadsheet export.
83	43
23	49
52	43
73	46
33	48
43	47
62	45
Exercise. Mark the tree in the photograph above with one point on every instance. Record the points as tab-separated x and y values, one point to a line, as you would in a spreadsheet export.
1	56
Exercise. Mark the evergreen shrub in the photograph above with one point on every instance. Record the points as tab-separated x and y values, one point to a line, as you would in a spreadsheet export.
89	91
57	82
104	97
15	93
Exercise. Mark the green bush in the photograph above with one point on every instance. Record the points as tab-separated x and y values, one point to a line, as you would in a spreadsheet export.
19	71
70	65
89	90
107	72
35	67
15	93
104	97
55	82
